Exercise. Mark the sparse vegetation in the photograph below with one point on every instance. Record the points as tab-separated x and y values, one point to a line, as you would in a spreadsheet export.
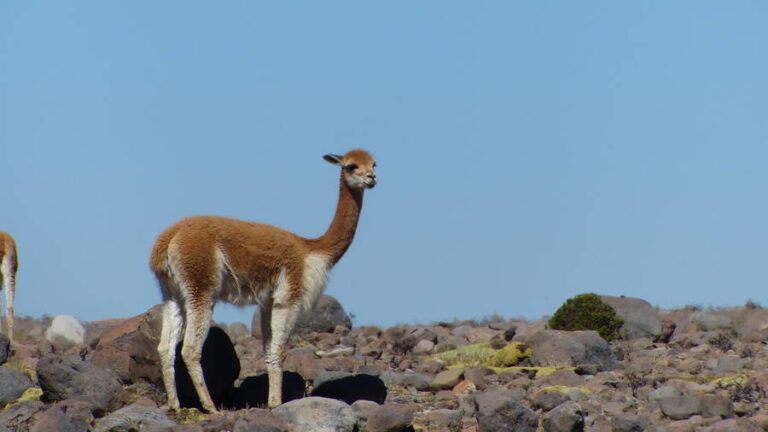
587	312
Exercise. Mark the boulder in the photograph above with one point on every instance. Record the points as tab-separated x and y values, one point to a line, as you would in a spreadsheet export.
135	417
259	420
19	417
498	410
12	385
254	390
567	417
65	331
353	388
221	367
65	416
389	418
316	414
129	348
568	348
640	318
67	377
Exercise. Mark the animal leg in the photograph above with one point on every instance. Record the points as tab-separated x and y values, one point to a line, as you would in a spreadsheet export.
10	294
266	319
283	320
198	323
173	323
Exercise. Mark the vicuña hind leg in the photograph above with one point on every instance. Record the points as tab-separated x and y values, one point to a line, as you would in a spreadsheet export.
173	322
199	314
10	293
283	320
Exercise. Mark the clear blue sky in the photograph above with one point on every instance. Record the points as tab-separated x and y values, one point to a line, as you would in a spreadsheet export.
527	151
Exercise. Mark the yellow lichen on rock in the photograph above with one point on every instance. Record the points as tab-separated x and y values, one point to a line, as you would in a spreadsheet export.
467	356
730	380
188	415
511	355
483	355
30	394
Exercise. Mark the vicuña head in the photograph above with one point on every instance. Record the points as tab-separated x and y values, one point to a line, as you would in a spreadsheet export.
201	260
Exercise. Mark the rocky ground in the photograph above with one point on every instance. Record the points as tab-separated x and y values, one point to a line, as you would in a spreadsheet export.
690	369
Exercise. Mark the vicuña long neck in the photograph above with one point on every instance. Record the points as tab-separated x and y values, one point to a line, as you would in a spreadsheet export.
340	233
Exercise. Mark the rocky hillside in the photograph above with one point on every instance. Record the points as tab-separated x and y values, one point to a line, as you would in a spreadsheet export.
690	369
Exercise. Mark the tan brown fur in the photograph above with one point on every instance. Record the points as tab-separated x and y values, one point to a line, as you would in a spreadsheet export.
9	265
205	259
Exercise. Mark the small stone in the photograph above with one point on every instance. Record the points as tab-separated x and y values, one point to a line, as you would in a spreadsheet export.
336	352
680	407
424	346
440	420
447	378
464	387
135	417
567	417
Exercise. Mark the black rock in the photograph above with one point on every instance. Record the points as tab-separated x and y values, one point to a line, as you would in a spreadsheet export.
353	388
68	377
221	367
5	348
254	390
12	385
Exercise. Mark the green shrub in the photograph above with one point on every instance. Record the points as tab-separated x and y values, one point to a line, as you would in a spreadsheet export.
587	312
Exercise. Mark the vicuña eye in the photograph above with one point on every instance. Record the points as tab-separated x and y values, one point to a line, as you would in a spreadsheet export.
351	167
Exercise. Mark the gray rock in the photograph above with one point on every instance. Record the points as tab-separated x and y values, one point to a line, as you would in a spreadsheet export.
640	318
499	411
237	331
547	400
707	321
479	376
423	347
315	414
135	417
66	416
400	379
259	420
569	348
736	425
680	407
65	331
5	348
715	405
629	423
389	418
63	378
724	365
447	378
439	420
12	385
567	417
19	417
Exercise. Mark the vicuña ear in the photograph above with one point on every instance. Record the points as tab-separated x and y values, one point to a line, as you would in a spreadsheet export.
334	159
